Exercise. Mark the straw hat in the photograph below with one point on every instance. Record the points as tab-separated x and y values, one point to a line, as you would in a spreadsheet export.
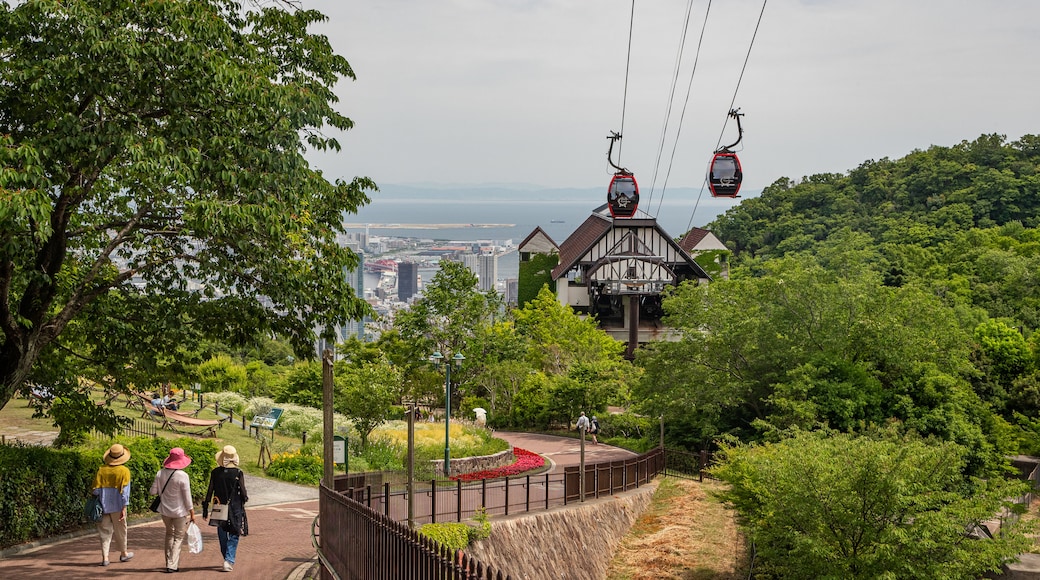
116	455
177	459
227	456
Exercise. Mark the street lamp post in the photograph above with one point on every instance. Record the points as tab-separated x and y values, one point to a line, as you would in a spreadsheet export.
437	357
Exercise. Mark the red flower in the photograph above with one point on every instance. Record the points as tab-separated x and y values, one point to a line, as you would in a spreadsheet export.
525	461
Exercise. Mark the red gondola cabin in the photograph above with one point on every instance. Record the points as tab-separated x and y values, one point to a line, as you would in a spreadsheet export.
623	195
724	175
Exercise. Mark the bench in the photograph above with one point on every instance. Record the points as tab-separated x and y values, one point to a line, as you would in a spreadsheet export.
267	421
182	423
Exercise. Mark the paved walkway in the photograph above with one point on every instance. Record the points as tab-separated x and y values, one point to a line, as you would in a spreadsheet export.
278	547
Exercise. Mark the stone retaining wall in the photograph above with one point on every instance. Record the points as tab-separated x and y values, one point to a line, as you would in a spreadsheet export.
574	542
480	463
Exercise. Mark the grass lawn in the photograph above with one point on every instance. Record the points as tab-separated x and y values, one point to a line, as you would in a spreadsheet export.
16	416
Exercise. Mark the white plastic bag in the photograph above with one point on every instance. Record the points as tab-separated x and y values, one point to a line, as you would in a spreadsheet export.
194	538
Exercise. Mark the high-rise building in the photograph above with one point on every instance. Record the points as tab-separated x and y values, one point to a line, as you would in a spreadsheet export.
472	261
512	291
356	279
488	271
407	280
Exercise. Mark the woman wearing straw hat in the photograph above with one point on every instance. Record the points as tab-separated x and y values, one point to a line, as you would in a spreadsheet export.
174	490
228	485
112	486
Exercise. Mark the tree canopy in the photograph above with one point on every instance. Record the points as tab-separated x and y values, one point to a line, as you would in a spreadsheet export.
153	185
857	507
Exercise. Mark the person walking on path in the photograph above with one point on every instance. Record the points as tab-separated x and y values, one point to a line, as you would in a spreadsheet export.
112	486
583	424
593	429
227	485
174	490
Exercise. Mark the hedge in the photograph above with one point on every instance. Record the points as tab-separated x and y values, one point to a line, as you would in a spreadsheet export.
42	490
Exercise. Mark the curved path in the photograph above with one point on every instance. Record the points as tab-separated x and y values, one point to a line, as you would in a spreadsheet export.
279	543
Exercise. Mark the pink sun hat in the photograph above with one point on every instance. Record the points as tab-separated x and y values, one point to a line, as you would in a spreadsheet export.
177	459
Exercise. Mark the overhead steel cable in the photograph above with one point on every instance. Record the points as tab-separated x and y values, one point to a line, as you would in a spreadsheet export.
682	116
671	99
628	62
731	103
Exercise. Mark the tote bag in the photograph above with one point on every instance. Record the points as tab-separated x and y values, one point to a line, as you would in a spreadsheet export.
218	512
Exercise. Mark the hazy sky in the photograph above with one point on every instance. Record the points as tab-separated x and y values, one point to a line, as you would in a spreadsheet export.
526	91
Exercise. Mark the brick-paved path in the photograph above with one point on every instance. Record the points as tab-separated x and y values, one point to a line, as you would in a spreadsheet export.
278	546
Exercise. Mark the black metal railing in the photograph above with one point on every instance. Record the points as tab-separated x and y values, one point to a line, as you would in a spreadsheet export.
136	429
688	465
368	545
438	501
369	515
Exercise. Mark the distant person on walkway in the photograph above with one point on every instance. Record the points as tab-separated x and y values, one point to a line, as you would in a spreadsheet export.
583	424
174	488
593	429
227	484
112	486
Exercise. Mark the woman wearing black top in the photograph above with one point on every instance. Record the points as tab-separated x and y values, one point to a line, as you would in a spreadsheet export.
227	483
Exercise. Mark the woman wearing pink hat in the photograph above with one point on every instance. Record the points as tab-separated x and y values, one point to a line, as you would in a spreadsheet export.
174	490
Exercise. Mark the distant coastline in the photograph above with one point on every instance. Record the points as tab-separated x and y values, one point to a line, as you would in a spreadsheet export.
427	226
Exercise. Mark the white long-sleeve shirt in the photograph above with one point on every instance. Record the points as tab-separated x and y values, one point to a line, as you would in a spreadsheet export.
176	500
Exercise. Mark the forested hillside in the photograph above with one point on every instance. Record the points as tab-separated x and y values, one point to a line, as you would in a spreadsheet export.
959	219
900	297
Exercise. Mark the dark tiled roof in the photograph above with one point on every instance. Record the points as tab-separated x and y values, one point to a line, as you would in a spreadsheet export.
579	242
692	238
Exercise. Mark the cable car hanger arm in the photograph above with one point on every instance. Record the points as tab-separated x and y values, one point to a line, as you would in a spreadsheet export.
736	114
610	154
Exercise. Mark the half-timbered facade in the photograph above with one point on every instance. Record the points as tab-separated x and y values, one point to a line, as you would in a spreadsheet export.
616	269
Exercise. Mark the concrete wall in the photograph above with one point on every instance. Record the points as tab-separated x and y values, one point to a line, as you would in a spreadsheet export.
575	542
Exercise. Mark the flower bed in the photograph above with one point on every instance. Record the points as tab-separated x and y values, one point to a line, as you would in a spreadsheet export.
525	461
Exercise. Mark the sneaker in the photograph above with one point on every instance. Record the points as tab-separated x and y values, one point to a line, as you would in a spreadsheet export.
129	556
228	566
104	563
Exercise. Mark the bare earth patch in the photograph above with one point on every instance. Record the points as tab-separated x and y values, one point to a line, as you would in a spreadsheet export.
686	534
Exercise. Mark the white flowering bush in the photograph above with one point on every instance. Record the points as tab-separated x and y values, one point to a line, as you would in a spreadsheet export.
259	406
227	400
296	419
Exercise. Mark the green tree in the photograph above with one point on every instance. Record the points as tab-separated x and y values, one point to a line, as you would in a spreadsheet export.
220	374
367	394
303	385
447	318
557	337
449	312
801	346
152	158
844	507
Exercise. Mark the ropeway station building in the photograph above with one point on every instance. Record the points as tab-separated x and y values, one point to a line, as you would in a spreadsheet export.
616	269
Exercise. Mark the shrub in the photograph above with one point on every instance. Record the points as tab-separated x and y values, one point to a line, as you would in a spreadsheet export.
455	536
258	406
482	528
227	400
381	454
297	467
43	489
